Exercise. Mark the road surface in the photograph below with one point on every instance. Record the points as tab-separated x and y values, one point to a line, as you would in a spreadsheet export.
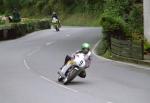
29	65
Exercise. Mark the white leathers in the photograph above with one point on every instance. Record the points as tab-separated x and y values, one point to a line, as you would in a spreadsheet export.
54	20
80	59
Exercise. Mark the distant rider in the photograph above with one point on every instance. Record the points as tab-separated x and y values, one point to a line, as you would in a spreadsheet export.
85	49
16	16
54	15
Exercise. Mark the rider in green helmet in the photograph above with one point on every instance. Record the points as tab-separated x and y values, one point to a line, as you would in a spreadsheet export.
85	49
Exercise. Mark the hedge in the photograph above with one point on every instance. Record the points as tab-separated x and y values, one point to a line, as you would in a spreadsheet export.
114	26
16	30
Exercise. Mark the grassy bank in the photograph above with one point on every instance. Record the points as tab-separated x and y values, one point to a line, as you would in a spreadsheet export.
80	20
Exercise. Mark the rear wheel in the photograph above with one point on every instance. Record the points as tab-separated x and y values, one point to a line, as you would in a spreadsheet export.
65	81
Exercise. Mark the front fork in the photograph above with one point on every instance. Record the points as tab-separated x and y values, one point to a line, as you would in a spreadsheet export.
64	70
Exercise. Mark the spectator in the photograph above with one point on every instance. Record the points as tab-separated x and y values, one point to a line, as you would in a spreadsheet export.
16	16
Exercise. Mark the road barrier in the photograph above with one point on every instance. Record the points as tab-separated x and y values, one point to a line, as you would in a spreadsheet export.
127	48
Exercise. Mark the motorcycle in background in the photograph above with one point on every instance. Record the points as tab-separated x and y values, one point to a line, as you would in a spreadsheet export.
55	23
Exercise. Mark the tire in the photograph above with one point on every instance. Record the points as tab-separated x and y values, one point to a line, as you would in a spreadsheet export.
65	81
57	29
73	73
60	79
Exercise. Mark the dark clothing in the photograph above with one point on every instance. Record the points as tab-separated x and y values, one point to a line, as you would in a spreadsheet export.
67	59
82	74
55	16
16	16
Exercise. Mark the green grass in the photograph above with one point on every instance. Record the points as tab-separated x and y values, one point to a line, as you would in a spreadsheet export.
146	45
107	54
80	20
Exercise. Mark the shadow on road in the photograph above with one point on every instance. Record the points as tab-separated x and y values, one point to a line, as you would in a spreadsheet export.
78	83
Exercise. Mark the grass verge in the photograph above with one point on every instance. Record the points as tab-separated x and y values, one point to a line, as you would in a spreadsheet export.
80	20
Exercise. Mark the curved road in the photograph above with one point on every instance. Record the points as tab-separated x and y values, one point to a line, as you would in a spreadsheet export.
29	65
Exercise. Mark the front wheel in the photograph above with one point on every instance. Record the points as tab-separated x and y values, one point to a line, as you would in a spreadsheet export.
60	79
57	29
72	74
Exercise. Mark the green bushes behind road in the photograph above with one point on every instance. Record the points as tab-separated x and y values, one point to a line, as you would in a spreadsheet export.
16	30
2	22
125	16
114	26
146	47
122	19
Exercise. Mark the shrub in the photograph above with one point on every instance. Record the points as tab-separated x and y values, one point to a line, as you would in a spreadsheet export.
136	16
115	27
2	22
147	46
118	7
135	22
19	29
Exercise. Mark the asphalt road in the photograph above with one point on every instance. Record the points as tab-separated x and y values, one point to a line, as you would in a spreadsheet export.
29	65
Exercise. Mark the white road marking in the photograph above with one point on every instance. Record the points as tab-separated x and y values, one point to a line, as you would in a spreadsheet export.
109	102
70	89
130	64
49	43
67	35
38	49
28	68
58	84
26	65
34	51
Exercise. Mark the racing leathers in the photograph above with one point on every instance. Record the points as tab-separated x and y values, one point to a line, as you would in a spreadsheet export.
87	58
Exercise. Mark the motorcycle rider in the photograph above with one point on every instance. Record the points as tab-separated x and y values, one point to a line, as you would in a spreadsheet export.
85	49
54	15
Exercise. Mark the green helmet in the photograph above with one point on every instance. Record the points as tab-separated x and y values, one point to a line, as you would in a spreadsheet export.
85	46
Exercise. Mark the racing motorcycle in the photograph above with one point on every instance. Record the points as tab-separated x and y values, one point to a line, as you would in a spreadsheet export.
55	23
74	67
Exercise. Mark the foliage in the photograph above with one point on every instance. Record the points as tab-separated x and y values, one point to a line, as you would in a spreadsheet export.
2	22
19	29
147	46
135	21
118	7
113	26
123	18
127	15
80	19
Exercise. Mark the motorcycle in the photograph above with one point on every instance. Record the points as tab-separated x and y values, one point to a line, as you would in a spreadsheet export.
74	67
55	23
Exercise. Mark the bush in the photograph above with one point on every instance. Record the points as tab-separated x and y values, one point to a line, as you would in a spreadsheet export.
19	29
136	22
115	27
146	46
118	7
30	26
2	22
